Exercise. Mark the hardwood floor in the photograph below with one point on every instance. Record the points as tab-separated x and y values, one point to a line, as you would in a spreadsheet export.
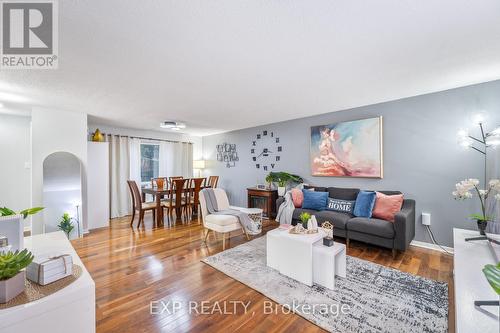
132	267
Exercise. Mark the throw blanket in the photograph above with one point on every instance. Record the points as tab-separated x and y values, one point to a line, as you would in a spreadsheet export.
246	222
285	211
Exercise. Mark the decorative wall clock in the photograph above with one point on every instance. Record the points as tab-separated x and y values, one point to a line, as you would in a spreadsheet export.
266	150
226	153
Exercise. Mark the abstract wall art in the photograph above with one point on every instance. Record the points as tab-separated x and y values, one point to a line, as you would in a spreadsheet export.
347	149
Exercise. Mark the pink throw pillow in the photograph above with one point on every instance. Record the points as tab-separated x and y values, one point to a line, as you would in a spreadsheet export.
386	206
297	197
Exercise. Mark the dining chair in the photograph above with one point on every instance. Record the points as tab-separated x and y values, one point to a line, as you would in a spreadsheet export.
212	181
195	186
171	179
177	198
138	205
159	181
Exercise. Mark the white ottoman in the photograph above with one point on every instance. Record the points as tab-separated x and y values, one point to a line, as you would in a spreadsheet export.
328	261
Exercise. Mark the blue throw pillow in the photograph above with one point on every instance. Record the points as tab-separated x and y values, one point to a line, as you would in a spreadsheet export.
314	200
338	205
364	204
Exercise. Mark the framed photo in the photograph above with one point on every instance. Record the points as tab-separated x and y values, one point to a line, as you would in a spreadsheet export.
347	149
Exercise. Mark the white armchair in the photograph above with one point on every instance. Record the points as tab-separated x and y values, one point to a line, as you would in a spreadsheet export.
223	224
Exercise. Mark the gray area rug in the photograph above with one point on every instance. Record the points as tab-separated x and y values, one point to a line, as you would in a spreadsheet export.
379	299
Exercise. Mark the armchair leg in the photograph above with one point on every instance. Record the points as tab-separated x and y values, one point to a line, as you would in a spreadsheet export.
347	243
207	231
394	253
246	234
223	241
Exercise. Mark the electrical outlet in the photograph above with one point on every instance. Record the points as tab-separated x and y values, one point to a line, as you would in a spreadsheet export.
426	218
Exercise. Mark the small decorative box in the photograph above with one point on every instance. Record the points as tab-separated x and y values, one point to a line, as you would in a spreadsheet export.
45	270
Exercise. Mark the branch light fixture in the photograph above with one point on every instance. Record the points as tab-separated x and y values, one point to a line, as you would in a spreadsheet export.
479	144
487	139
173	125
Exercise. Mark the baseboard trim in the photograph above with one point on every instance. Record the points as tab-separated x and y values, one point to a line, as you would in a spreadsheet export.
431	246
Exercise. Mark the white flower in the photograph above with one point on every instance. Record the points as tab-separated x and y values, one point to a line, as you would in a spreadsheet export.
483	192
494	182
497	196
474	181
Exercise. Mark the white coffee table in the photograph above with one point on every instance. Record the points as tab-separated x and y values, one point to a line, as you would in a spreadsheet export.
328	261
304	257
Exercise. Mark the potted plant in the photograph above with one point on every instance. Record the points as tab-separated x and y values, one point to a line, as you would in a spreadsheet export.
12	227
12	274
66	225
283	178
304	218
465	189
269	180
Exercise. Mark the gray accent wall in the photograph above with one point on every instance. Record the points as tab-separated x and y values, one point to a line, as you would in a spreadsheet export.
421	156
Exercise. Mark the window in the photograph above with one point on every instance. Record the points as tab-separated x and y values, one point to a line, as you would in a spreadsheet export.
150	164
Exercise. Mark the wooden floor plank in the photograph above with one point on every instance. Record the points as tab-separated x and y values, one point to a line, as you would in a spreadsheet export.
132	267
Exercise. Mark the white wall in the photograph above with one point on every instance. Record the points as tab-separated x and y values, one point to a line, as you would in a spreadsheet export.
15	152
53	131
196	140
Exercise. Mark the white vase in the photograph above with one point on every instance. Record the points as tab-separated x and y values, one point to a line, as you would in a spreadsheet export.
13	228
281	190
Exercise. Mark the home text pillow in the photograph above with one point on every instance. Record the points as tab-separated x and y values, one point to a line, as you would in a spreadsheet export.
314	200
386	206
297	197
338	205
364	204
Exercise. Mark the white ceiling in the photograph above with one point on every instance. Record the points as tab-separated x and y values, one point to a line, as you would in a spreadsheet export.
228	64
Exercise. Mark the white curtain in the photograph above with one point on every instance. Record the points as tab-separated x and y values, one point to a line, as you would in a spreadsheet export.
176	159
135	160
119	158
493	172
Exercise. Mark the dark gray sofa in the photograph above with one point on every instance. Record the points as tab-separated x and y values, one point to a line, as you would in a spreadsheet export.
395	236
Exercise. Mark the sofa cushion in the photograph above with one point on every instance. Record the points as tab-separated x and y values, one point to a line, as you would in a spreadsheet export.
338	219
297	197
343	193
221	219
386	206
390	192
338	205
364	204
315	188
377	227
314	200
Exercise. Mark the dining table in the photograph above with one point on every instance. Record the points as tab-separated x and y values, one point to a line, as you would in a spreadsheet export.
158	194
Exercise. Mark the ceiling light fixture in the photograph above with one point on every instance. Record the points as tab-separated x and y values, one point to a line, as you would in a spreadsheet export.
173	125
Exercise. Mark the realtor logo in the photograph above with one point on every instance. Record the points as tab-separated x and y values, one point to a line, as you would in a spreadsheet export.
29	34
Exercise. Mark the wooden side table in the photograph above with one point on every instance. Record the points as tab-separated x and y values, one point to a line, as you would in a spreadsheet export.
264	199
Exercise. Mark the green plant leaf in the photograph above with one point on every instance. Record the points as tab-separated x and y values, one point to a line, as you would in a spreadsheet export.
492	273
480	217
12	262
30	211
6	212
304	217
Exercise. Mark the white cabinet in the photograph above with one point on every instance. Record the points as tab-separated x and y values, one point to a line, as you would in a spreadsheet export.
98	185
